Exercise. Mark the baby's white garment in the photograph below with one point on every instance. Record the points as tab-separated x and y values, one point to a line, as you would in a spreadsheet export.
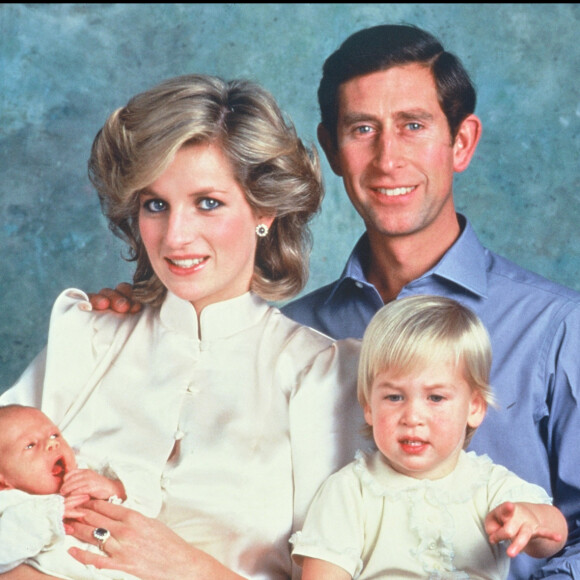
28	524
32	532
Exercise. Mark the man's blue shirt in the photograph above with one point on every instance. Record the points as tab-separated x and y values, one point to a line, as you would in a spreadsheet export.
534	325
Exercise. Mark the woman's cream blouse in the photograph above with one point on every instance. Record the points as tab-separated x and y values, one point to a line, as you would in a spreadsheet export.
225	430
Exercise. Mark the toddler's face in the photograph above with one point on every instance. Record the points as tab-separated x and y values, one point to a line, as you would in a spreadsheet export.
34	457
419	418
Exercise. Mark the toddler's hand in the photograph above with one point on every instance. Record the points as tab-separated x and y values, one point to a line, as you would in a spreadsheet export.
517	523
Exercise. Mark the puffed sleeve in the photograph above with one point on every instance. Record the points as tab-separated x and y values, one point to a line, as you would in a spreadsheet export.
505	486
29	524
67	353
81	347
331	532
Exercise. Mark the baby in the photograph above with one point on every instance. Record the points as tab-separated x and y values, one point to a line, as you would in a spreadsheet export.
40	485
421	506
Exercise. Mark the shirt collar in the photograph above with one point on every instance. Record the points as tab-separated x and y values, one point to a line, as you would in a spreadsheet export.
463	264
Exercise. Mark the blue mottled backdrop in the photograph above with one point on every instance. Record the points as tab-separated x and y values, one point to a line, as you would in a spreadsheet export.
65	67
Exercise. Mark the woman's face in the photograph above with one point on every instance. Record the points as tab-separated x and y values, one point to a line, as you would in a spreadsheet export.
198	228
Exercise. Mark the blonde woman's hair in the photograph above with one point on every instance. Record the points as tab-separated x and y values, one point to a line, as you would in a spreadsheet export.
410	333
279	175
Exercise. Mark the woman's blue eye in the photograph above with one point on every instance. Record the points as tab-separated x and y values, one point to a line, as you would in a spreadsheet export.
155	205
208	203
30	446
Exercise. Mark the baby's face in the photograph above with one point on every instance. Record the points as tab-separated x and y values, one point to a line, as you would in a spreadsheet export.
34	457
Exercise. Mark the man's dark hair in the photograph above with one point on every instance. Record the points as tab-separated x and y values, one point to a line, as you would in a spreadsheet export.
382	47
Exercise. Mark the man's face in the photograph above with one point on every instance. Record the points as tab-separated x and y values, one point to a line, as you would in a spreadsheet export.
395	152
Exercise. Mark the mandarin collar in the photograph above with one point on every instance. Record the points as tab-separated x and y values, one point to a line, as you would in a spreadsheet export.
218	320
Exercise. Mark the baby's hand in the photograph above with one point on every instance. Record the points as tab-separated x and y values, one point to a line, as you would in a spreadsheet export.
73	501
88	482
519	524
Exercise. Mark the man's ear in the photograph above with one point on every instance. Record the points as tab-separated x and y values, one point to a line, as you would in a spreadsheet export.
328	146
466	142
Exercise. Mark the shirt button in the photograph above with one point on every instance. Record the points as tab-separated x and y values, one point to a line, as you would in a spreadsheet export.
165	481
179	434
358	284
191	388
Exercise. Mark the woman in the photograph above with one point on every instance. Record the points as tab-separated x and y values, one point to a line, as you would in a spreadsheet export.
237	411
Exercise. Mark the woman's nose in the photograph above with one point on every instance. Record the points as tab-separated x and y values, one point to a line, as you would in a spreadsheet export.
179	229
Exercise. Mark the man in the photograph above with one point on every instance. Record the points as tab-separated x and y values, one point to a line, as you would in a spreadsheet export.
397	123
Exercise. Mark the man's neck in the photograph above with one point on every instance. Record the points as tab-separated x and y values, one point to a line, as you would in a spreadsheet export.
397	260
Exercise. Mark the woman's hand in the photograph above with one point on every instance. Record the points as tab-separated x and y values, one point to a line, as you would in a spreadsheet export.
141	546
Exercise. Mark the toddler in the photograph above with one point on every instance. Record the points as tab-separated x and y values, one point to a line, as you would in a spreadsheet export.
420	506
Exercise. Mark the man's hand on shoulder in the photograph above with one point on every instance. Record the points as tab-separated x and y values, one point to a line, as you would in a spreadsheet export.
118	300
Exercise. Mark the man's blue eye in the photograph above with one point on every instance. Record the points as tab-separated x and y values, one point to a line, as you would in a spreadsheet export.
363	129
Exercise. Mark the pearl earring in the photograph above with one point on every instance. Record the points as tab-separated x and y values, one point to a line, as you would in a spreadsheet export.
262	230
